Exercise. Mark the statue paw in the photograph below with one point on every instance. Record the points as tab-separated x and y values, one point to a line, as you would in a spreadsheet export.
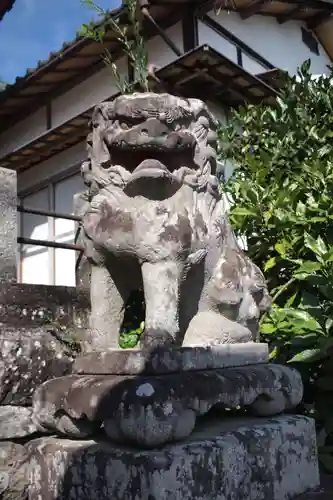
153	338
211	328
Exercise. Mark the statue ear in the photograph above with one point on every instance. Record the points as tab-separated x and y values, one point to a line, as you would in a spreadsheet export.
85	172
100	115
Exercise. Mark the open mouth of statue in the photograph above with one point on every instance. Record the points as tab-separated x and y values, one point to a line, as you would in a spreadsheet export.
150	162
152	169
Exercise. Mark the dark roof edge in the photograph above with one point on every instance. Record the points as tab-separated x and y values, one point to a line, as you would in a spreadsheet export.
6	8
67	49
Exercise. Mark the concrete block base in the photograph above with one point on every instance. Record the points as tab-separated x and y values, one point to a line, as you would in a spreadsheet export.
233	459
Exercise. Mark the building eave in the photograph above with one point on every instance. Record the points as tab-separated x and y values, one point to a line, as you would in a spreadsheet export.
78	59
200	72
324	34
73	63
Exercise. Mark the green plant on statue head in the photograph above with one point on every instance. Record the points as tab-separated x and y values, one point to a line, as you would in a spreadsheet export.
282	192
130	38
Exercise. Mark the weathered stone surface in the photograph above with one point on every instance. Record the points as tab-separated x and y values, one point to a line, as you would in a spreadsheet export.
212	328
41	327
8	225
14	479
25	305
28	357
271	459
83	271
170	360
152	410
154	218
16	422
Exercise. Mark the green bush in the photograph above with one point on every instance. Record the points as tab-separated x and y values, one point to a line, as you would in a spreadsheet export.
282	202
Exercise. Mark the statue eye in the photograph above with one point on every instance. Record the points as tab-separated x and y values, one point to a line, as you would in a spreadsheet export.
257	293
124	126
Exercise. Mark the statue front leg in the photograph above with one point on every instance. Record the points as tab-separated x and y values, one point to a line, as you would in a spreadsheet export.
161	284
107	309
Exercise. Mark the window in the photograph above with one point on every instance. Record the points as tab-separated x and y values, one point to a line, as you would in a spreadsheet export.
44	265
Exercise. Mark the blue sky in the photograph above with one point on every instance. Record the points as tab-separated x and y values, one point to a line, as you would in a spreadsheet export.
34	28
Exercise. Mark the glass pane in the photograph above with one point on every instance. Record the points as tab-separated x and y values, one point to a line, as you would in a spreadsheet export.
65	230
35	260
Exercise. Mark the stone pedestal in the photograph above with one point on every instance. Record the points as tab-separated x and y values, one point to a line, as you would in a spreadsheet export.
8	226
236	459
152	398
156	425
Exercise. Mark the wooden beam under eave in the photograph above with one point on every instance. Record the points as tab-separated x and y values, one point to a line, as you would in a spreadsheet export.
324	35
254	8
317	20
283	18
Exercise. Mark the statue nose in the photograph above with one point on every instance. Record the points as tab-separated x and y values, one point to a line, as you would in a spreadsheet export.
153	128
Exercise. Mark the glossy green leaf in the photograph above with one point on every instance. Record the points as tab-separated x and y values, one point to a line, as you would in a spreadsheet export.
242	211
281	248
318	245
328	324
306	356
308	266
273	354
267	328
270	263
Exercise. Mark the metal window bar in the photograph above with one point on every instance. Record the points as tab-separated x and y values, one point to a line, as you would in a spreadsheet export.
48	213
53	244
237	42
47	243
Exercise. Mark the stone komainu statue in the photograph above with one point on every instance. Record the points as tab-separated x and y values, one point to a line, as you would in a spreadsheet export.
156	218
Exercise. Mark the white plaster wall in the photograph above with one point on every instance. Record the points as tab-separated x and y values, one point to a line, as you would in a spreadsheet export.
159	53
86	94
281	44
23	132
222	45
252	66
55	165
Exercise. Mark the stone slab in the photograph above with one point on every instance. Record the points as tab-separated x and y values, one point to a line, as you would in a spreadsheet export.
30	305
271	459
29	357
16	422
8	226
170	360
149	411
13	471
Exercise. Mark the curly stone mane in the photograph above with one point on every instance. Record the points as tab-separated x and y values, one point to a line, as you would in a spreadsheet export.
181	115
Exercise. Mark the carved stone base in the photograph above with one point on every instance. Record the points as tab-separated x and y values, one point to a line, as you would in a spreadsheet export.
271	459
152	409
165	360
